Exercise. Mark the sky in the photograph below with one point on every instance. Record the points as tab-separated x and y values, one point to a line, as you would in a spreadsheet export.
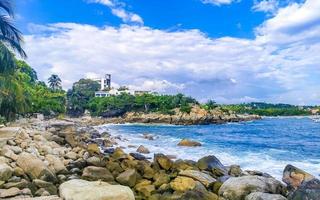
232	51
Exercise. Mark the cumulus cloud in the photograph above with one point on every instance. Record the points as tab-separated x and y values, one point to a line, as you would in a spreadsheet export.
269	6
280	65
218	2
118	9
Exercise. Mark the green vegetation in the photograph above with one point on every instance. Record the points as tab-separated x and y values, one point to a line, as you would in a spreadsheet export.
266	109
141	103
24	94
80	95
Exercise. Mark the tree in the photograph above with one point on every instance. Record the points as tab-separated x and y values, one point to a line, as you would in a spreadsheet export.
80	95
54	82
10	38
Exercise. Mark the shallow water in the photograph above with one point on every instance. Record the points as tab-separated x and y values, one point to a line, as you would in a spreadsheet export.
266	145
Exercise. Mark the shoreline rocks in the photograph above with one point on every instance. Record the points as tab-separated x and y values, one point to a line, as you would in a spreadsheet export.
67	160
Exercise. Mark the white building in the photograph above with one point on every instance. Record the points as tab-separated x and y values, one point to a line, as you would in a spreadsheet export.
102	94
105	82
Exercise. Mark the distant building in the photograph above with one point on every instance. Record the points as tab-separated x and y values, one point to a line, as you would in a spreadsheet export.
105	82
102	94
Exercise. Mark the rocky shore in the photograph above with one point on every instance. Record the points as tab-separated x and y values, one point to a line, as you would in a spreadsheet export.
68	159
197	116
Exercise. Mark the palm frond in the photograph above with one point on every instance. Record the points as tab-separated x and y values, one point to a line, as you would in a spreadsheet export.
7	6
11	35
7	60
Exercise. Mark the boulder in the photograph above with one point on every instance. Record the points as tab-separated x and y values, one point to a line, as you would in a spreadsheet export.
71	155
182	184
264	196
138	156
9	193
145	188
163	161
189	143
93	148
309	190
96	161
93	173
203	178
49	187
160	179
143	149
294	176
35	168
128	177
236	188
212	163
5	172
98	190
235	170
56	164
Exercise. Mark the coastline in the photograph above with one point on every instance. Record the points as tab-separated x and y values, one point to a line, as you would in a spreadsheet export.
53	156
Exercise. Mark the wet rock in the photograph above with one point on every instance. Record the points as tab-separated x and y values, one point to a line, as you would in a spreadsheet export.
93	149
128	177
182	184
138	156
203	178
189	143
81	189
21	184
143	149
235	170
119	154
184	164
160	179
35	168
294	176
264	196
145	188
163	161
236	188
95	161
5	172
308	190
92	173
212	163
148	136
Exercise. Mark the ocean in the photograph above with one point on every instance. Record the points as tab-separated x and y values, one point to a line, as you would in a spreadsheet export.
266	145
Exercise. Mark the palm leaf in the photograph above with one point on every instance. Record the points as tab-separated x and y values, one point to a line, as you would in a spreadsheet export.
6	6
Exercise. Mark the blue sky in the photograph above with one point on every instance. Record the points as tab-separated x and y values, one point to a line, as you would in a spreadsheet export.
229	50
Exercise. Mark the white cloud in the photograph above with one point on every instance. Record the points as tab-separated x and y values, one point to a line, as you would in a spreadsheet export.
118	9
218	2
269	6
293	23
280	65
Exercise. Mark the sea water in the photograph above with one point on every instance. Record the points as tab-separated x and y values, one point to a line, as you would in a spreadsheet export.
267	145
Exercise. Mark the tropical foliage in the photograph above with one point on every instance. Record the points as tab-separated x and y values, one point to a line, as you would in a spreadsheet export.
142	103
80	95
266	109
54	82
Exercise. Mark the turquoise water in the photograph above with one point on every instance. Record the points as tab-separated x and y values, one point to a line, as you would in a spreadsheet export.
266	145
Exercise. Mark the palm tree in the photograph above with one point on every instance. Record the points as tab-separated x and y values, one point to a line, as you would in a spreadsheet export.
10	38
54	82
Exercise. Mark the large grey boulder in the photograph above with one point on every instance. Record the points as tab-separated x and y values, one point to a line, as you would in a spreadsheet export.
80	189
264	196
93	173
5	172
237	188
35	168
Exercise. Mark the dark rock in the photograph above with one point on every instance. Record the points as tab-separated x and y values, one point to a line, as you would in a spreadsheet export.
138	156
309	190
213	164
